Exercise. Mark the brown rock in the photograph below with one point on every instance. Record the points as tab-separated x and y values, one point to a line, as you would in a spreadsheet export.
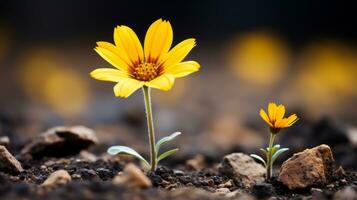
242	169
61	141
308	168
132	177
8	162
57	178
197	163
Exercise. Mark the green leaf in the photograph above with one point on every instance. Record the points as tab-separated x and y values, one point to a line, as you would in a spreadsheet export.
278	153
127	151
275	149
259	158
165	140
264	151
167	153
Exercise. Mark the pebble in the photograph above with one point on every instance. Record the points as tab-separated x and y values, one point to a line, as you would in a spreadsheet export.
57	178
61	141
4	140
242	169
197	163
8	163
132	177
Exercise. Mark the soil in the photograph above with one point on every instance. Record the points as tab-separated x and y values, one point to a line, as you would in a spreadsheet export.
92	179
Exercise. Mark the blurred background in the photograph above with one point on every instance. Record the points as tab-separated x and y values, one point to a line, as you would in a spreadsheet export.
302	54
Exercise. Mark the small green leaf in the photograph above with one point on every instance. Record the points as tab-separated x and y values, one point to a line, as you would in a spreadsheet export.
278	153
275	149
259	158
165	140
264	151
167	153
127	151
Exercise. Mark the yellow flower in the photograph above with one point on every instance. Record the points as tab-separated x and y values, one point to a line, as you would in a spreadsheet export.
154	66
275	117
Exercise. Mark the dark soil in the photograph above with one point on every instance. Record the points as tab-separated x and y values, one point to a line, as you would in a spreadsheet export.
92	180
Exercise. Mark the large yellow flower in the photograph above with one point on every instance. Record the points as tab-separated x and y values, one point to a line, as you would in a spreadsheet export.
154	66
275	117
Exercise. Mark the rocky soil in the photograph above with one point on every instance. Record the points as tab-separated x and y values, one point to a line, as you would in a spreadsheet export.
58	164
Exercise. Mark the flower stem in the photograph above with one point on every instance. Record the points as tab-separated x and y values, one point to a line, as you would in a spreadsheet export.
147	98
270	155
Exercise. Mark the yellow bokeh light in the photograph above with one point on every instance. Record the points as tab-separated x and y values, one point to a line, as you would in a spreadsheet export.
47	80
258	58
326	74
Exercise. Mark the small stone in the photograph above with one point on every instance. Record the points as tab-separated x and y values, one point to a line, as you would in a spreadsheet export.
179	173
222	190
61	141
197	163
308	168
132	177
88	156
76	176
348	193
242	169
8	162
4	141
263	190
314	190
343	181
57	178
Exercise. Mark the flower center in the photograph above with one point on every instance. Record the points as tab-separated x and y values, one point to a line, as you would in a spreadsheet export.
146	71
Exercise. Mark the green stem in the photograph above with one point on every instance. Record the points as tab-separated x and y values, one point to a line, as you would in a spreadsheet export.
147	98
270	155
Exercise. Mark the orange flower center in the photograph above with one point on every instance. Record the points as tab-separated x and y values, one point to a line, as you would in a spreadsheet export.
146	71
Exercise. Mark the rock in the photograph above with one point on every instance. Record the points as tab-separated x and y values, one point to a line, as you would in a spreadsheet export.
308	168
8	162
57	178
197	163
242	169
132	177
348	193
4	140
222	191
61	141
263	190
87	156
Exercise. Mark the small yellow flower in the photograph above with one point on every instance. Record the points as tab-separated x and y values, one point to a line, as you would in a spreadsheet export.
275	117
154	66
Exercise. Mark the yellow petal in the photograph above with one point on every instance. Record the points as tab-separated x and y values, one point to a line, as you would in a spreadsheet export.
163	82
183	69
281	123
126	38
119	52
272	111
178	53
126	87
111	58
292	119
280	112
107	74
158	40
265	117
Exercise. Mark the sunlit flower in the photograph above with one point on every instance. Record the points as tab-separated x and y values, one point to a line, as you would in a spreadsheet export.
275	117
154	66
